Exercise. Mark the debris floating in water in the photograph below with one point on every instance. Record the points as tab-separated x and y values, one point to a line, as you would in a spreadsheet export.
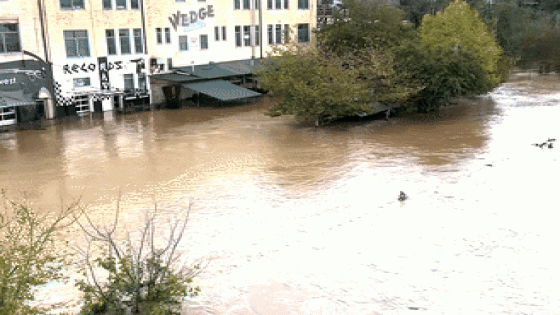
402	196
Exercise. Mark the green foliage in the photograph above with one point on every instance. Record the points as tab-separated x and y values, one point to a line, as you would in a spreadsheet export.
142	276
366	24
322	85
28	256
417	9
458	28
443	74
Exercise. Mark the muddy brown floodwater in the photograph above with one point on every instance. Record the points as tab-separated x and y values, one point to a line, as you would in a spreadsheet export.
304	220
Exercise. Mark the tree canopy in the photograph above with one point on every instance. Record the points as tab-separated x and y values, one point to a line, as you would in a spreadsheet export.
458	27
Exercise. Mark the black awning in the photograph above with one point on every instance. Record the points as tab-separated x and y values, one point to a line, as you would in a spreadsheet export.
174	77
15	98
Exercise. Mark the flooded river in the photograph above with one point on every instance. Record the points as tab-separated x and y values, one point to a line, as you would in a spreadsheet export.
302	220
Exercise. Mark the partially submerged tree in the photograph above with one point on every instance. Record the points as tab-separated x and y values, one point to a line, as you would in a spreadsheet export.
457	28
137	273
29	255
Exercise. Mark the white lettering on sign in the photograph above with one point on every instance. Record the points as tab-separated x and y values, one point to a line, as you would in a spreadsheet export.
181	19
8	81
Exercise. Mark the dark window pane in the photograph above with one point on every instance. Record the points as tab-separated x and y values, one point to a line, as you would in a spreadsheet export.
278	4
216	33
247	35
223	33
134	4
167	35
303	33
12	42
121	4
183	43
107	4
286	4
286	33
269	4
257	36
124	37
246	4
66	4
203	41
237	4
238	36
138	47
158	36
78	4
270	35
278	33
83	47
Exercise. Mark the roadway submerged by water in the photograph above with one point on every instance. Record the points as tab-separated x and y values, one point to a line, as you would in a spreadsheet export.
304	220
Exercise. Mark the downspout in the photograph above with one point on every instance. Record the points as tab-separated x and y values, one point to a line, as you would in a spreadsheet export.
143	27
261	39
43	30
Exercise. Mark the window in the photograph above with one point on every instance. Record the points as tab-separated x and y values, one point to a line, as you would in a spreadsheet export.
72	4
107	4
159	38
257	4
286	4
278	4
121	4
124	38
223	33
236	4
303	4
7	113
82	104
183	43
142	82
167	35
279	33
203	41
257	36
77	44
169	63
128	82
237	36
269	4
270	34
247	35
111	42
9	38
217	33
134	4
286	33
303	33
138	47
81	82
246	4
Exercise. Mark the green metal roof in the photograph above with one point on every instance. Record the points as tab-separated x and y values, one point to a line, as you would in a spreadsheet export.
221	90
15	98
223	69
175	77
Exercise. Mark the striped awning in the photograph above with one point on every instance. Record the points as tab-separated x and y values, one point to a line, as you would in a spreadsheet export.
15	98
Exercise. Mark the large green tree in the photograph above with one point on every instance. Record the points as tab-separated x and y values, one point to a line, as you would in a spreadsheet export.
458	27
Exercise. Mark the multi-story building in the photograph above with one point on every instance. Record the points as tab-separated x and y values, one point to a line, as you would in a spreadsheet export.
103	54
24	71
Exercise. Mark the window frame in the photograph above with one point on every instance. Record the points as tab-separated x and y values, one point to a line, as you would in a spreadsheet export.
286	4
131	76
138	41
159	36
307	35
186	42
278	4
114	40
270	32
238	36
257	35
205	41
303	4
142	77
246	4
137	2
76	43
167	32
247	31
3	39
237	4
110	4
73	6
121	8
278	33
269	4
224	37
216	33
126	39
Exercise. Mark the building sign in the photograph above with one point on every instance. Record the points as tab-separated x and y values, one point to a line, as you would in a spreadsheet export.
104	73
190	19
85	67
21	81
